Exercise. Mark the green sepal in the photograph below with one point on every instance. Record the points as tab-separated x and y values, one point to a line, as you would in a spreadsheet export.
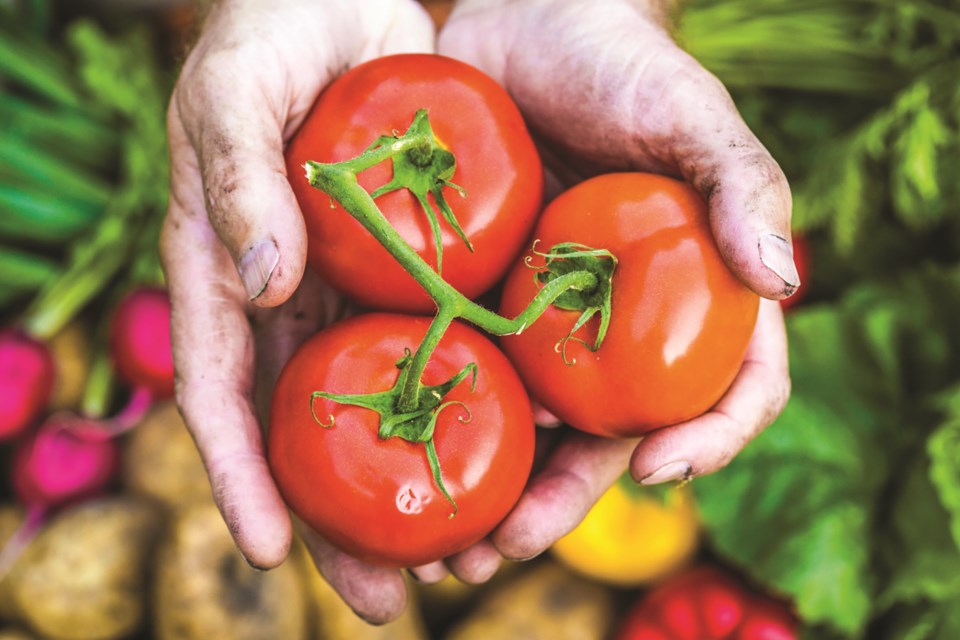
424	169
568	257
417	426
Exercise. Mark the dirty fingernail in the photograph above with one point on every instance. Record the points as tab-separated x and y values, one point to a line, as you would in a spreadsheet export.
777	255
679	470
257	266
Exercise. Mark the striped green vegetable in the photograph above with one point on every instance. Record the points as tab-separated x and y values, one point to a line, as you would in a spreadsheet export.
808	45
29	61
23	273
74	135
42	217
28	166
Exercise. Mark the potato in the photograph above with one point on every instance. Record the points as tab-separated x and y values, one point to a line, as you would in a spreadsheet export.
84	576
11	517
205	589
161	460
333	619
545	602
71	349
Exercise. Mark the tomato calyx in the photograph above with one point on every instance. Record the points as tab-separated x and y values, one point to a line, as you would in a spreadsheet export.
420	165
417	425
570	257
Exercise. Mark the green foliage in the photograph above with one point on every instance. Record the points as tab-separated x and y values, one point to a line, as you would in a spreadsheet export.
900	159
834	504
110	241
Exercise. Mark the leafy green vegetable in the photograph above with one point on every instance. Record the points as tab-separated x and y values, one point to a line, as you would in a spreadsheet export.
832	504
121	74
809	45
944	450
903	154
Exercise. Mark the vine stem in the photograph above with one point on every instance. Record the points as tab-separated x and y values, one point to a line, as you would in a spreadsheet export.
340	182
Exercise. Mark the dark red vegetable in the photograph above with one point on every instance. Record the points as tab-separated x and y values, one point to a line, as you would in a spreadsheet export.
707	604
26	381
140	341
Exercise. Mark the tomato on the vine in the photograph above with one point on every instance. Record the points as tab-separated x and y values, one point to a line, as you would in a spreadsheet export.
497	166
680	321
376	498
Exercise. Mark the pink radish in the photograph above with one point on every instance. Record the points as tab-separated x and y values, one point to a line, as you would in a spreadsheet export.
57	465
54	467
140	341
26	381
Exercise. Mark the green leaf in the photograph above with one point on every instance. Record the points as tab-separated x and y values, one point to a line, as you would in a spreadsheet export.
814	503
944	450
795	508
916	547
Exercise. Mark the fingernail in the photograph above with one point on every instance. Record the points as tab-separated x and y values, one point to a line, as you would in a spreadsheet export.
777	255
253	565
257	266
679	470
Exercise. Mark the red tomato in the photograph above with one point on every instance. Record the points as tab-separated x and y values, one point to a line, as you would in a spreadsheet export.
376	498
680	321
497	166
706	604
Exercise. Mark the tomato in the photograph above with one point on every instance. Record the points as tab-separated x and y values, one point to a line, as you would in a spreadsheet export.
680	321
376	498
706	604
497	166
633	535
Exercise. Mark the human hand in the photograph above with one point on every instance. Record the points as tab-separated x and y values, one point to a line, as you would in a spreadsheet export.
234	244
605	88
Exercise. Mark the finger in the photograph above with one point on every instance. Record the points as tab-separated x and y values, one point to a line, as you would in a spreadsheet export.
476	564
240	150
577	473
212	351
405	27
542	417
376	594
643	104
705	444
747	194
279	331
430	573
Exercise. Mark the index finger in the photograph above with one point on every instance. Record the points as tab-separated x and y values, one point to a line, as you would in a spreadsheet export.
213	358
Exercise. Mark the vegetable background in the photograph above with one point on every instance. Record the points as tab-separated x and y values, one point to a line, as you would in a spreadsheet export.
849	505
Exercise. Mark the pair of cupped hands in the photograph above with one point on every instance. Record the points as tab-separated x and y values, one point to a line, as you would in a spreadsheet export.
602	86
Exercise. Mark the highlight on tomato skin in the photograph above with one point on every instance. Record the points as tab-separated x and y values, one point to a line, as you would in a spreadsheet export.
497	166
376	498
680	320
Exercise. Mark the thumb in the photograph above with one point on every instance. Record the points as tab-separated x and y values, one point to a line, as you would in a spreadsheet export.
746	192
249	202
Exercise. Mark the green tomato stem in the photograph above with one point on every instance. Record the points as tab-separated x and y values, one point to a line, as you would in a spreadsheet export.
341	184
410	393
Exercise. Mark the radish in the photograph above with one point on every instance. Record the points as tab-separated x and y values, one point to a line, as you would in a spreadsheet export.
54	467
140	341
26	381
57	465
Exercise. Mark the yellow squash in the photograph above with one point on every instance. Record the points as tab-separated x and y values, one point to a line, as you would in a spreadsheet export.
633	535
